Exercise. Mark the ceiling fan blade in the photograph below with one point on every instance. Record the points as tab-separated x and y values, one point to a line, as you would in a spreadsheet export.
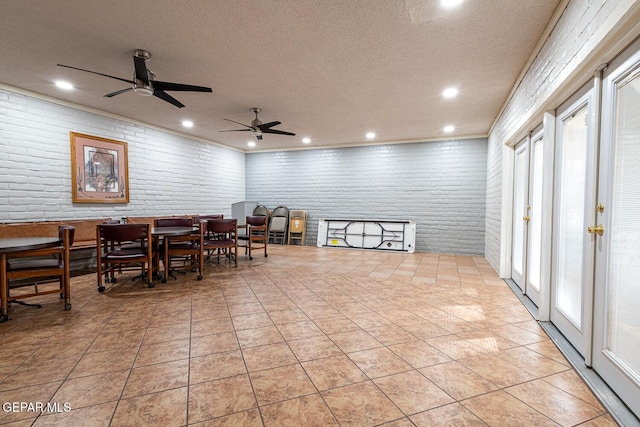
141	69
179	87
279	132
100	74
238	123
118	92
166	97
235	130
268	125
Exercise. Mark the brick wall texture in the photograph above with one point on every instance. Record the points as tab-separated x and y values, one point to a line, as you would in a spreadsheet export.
580	30
440	185
168	174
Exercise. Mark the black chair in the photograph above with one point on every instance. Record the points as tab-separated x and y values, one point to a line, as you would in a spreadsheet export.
40	266
124	247
256	236
222	237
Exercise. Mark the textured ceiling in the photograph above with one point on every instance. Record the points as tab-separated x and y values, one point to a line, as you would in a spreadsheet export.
330	70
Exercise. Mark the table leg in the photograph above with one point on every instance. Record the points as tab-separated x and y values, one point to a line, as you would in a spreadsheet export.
156	258
4	291
167	270
166	258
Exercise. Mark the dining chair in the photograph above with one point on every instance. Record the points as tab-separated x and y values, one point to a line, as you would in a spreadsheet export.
176	241
40	266
222	237
180	221
256	236
186	252
199	218
123	247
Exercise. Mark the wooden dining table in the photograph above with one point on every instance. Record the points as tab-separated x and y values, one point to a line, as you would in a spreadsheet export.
14	245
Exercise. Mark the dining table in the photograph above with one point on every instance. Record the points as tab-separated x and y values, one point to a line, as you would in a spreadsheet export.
13	245
165	234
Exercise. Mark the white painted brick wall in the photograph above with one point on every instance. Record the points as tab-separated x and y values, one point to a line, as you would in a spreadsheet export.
580	29
440	185
168	174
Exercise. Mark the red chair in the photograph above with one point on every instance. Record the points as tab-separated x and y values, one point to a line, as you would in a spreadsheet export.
173	222
124	247
257	234
39	266
184	252
222	237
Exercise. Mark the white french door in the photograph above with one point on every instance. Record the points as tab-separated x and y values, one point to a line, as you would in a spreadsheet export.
572	267
616	357
520	213
527	213
534	222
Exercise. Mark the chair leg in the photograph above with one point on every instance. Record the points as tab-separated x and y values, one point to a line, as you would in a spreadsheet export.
149	275
200	260
99	273
66	285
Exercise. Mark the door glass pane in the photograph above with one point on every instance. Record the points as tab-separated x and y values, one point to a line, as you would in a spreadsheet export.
518	211
571	229
624	259
535	224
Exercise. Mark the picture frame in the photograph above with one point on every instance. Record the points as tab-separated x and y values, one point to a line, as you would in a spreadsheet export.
99	169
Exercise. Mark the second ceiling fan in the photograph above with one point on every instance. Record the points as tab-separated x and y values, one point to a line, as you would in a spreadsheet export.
257	128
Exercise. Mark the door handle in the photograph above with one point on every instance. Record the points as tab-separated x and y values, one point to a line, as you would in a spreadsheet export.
526	218
596	229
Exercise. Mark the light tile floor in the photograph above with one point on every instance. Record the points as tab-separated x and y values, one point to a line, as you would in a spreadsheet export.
305	337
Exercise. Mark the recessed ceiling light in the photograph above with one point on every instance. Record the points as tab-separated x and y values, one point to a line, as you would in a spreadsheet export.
449	128
450	92
64	85
251	144
306	140
187	123
371	135
450	3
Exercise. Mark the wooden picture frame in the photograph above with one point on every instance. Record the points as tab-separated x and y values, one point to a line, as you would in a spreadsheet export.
99	171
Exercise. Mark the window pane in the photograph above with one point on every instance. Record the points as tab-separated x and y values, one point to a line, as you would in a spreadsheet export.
571	228
519	211
535	225
624	264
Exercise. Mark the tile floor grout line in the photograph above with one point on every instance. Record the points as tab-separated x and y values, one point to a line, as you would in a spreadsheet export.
253	389
336	290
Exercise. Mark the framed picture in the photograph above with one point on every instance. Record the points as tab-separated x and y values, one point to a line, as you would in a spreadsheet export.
99	171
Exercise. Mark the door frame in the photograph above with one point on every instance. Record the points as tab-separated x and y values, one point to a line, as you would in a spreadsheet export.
524	145
535	136
622	67
580	336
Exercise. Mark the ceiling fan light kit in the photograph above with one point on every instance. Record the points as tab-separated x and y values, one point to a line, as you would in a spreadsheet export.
142	90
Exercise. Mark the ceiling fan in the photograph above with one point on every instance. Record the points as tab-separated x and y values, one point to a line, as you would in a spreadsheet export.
144	82
257	128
